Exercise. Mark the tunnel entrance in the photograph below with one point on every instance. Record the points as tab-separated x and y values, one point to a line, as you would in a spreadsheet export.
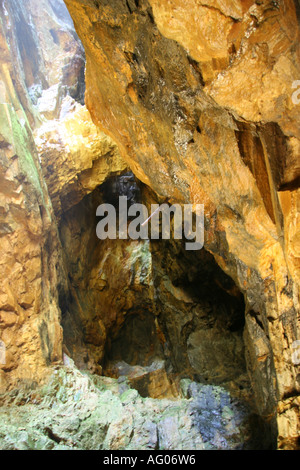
150	314
148	302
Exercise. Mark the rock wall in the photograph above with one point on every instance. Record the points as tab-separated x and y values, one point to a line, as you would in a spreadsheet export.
52	155
31	268
195	99
101	413
198	97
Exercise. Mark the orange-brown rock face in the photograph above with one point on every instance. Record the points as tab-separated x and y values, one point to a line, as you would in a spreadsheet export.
52	155
41	78
30	253
198	97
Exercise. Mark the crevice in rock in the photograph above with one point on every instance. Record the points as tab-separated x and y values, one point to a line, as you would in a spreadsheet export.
30	57
264	151
53	436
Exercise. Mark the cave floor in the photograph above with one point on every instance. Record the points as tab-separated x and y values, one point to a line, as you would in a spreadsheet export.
76	410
